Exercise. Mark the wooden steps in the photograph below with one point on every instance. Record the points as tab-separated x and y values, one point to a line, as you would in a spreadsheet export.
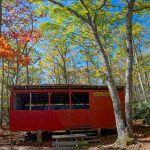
77	139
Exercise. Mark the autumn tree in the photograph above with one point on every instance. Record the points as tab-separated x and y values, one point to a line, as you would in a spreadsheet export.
18	36
23	36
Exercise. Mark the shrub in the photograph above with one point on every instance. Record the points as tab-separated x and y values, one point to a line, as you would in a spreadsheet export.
141	110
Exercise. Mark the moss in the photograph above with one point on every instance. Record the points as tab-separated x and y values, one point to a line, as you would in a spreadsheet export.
82	145
125	141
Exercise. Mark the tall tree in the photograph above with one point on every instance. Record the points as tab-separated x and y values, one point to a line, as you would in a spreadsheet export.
2	83
129	65
90	18
129	62
16	31
24	36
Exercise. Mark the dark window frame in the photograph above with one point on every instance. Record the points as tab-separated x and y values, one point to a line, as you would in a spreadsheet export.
80	100
72	100
59	101
18	100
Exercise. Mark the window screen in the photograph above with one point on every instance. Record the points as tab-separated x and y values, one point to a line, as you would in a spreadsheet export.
59	100
80	100
39	101
21	101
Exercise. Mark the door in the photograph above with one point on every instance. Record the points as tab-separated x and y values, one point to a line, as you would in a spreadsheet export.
60	117
79	109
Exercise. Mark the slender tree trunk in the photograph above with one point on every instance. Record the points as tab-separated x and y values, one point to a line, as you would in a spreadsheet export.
65	72
129	66
27	67
7	83
17	70
2	82
87	71
2	94
139	75
0	17
28	77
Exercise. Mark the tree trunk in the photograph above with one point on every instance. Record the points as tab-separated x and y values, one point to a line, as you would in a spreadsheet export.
65	72
2	95
28	77
129	67
0	17
139	75
2	82
112	89
17	70
88	74
7	83
27	67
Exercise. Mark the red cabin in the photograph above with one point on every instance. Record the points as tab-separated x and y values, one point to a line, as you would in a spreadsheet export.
61	107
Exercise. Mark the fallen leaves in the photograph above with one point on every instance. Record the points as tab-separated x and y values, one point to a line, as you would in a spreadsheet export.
16	141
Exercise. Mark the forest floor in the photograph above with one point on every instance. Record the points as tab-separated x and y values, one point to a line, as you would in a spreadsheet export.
15	141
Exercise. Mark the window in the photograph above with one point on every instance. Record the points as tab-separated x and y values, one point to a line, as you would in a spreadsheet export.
21	101
80	100
60	100
39	101
30	101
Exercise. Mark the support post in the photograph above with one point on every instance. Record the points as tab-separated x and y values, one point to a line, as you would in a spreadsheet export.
39	136
99	132
30	102
11	140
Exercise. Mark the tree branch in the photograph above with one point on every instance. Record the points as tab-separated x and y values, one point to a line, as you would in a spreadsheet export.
88	13
95	14
139	9
84	5
104	3
70	10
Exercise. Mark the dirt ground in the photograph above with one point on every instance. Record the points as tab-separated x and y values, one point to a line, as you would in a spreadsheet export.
16	141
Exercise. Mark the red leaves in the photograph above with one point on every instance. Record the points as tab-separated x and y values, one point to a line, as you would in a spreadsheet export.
8	53
25	37
19	22
24	60
5	50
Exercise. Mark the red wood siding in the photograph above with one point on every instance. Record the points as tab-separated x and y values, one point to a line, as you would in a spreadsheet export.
99	115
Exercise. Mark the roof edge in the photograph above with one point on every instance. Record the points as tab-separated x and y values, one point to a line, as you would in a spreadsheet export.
59	86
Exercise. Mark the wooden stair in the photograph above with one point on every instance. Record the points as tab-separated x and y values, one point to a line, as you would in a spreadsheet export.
78	138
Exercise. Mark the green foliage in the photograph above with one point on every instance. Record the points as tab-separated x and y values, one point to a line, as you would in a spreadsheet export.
49	26
141	110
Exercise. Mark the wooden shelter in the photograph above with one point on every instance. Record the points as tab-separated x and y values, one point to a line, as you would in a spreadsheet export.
61	107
